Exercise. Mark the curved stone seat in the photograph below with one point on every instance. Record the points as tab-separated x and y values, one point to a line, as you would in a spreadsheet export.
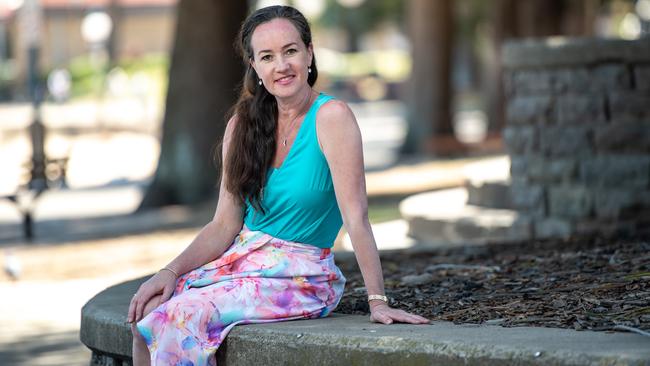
353	340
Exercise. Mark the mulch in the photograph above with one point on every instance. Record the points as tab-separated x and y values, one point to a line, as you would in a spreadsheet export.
579	283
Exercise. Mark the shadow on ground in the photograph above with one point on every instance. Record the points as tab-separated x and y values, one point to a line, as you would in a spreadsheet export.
51	349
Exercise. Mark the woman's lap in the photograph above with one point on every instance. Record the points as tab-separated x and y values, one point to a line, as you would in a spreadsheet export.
264	284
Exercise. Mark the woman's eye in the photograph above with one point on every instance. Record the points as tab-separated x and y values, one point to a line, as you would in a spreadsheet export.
266	57
291	51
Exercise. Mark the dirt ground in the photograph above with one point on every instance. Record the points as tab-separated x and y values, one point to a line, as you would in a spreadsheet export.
580	283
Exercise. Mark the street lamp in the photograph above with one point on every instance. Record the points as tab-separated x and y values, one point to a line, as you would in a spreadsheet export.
30	18
96	28
29	23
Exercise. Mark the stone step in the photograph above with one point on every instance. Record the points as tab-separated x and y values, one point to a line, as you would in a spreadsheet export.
488	183
389	235
353	340
489	194
444	217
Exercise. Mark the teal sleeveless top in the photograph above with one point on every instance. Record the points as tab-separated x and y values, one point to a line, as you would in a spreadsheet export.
298	197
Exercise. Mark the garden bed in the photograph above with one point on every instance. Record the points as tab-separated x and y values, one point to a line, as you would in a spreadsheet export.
580	283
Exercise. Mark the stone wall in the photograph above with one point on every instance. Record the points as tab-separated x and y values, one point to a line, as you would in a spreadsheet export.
578	134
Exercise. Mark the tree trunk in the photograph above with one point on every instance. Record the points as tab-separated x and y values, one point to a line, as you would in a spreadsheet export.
203	76
503	21
528	18
429	91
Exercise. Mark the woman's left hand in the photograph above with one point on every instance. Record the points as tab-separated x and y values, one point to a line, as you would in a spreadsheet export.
382	313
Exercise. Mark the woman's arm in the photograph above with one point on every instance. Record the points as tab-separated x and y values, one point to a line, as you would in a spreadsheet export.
340	140
218	234
210	243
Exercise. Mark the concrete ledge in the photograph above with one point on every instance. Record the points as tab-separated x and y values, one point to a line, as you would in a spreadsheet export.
561	51
353	340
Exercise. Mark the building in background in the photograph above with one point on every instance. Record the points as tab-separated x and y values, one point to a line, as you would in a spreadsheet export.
139	27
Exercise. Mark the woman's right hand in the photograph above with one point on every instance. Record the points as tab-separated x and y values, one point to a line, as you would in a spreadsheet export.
162	283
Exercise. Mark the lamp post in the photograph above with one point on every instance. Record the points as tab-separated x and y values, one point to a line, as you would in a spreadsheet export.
96	28
30	23
30	18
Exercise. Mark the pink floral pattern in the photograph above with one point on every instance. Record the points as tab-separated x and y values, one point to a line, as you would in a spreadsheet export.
258	279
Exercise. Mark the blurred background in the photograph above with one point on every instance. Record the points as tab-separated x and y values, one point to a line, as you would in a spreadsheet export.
110	111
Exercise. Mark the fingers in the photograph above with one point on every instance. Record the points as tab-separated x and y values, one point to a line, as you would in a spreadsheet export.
400	316
138	303
139	308
167	293
146	293
388	315
381	317
412	318
133	307
131	313
422	320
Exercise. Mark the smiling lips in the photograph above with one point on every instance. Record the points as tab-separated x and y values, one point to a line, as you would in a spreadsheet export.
285	80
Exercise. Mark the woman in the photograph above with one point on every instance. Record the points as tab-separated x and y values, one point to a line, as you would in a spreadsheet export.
293	174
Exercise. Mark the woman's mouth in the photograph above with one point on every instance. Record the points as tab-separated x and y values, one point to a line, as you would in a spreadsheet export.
285	80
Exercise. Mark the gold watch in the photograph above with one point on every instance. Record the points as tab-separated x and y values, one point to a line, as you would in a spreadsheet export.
378	297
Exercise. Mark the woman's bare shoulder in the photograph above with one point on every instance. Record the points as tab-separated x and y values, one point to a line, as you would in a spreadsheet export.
231	124
335	123
335	115
335	109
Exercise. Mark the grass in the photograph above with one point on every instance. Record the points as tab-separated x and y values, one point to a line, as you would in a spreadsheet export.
383	211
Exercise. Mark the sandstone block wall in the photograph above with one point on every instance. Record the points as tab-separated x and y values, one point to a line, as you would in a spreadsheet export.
578	134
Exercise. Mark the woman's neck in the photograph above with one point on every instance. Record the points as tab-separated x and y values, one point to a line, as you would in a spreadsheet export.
291	107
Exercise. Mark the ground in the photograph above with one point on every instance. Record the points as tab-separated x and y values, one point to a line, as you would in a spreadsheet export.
580	283
41	311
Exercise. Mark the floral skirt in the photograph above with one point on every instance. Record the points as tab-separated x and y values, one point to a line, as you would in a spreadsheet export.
258	279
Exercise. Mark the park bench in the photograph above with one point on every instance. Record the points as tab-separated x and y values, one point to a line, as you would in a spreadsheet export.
25	196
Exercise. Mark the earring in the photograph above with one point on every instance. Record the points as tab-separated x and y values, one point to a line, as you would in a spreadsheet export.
260	82
309	69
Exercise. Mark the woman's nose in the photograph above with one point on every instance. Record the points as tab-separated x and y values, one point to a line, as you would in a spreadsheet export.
281	64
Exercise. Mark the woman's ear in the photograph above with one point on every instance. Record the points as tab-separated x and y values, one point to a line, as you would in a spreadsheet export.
310	52
251	63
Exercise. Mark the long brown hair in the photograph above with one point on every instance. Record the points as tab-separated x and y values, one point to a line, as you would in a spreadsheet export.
252	145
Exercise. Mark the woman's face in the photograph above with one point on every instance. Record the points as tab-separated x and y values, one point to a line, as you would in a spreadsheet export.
280	57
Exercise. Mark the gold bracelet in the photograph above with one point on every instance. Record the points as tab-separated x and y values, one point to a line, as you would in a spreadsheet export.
378	297
170	270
